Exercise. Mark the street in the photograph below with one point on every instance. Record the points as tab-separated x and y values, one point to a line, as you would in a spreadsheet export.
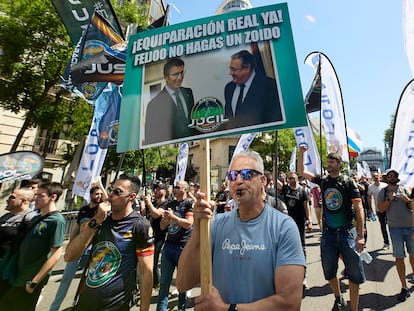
379	292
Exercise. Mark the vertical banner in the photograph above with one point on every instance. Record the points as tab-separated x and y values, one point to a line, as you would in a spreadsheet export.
402	149
182	159
166	99
107	115
98	37
244	143
332	110
365	169
76	15
312	161
90	165
292	164
408	31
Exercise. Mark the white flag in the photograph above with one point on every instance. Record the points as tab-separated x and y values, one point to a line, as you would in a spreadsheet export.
408	31
402	153
312	161
292	165
365	169
90	165
244	143
182	159
332	111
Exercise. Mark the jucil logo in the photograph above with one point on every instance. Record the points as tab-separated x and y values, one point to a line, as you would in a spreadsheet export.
207	115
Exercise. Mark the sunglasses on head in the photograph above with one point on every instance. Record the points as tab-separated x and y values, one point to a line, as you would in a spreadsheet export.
245	174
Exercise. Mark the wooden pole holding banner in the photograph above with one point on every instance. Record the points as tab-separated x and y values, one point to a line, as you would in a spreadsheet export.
205	245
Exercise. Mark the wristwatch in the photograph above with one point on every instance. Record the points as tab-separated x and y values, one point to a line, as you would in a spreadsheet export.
31	284
93	224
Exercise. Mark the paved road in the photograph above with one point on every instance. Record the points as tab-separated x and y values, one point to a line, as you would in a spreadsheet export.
377	293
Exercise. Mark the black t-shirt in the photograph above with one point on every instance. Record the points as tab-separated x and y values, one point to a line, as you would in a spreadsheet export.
10	226
177	234
112	269
337	195
294	200
221	197
159	234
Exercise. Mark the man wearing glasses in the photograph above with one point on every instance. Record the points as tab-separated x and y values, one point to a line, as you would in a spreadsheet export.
258	262
178	219
169	112
18	216
251	97
397	203
121	238
39	251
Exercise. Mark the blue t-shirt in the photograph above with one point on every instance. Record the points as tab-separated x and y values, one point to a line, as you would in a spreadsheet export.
246	253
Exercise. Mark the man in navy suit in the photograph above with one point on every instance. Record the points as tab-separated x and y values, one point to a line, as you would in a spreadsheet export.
251	97
168	113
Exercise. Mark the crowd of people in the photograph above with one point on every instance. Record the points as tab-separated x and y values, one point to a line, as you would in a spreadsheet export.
129	243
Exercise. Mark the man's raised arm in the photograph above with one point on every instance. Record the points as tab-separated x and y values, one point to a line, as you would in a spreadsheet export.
301	164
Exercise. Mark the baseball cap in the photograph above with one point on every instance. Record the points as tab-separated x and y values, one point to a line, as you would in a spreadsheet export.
391	170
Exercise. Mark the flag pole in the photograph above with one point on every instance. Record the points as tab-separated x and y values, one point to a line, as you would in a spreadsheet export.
205	239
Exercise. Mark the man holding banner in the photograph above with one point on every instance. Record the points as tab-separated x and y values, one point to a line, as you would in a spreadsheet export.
270	243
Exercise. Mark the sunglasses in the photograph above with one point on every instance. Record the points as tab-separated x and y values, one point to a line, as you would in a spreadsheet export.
392	176
117	191
245	174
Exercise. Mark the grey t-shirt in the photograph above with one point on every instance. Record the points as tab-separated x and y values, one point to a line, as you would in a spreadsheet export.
398	215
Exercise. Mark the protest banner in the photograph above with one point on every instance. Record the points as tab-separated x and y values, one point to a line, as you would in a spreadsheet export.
206	46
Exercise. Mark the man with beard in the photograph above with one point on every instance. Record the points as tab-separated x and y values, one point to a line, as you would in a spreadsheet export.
85	214
296	200
122	243
341	199
395	201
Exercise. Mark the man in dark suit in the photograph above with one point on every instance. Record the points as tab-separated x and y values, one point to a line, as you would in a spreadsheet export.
169	112
251	97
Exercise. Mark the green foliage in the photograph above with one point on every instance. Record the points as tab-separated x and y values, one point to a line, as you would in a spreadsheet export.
130	12
264	144
158	159
36	49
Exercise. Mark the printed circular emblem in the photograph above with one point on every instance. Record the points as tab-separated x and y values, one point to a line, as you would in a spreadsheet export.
105	262
207	114
333	199
174	228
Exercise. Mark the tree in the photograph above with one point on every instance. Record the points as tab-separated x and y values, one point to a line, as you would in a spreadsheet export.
35	53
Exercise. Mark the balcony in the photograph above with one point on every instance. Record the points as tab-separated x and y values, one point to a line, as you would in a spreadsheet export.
52	150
